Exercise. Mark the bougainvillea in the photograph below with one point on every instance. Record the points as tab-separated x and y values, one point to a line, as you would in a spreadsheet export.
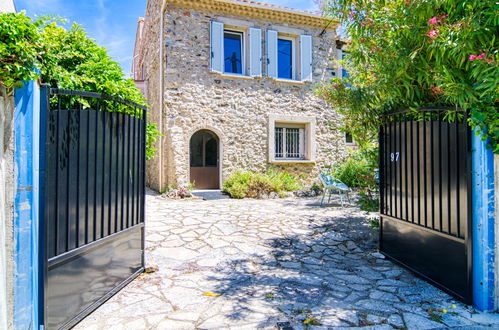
409	54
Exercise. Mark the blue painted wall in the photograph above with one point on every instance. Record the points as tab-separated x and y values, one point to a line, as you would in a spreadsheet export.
26	206
483	224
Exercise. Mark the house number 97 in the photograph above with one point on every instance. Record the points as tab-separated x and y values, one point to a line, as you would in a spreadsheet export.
395	156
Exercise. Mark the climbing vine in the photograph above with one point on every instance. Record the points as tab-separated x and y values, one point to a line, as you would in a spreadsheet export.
66	58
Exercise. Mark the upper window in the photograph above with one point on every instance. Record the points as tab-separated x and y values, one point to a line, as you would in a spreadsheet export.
236	51
285	58
289	57
233	52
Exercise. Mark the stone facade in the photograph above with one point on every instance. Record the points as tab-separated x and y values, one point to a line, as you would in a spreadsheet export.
238	109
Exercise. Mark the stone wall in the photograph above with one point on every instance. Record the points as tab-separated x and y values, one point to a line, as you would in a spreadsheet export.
7	191
237	110
148	57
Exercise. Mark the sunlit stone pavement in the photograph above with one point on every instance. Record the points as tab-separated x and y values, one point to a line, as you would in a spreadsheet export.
251	264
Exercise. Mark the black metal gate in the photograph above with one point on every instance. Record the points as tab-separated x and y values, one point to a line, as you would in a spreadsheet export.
425	195
94	201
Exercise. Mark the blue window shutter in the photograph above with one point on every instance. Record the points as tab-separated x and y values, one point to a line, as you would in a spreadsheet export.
217	47
255	36
306	57
272	54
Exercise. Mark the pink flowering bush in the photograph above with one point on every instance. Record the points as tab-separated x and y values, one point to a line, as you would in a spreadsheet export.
432	34
433	21
411	53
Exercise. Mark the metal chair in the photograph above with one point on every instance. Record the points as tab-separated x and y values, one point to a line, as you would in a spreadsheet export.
333	184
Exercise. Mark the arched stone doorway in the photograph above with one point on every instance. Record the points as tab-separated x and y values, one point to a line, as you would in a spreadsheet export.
205	160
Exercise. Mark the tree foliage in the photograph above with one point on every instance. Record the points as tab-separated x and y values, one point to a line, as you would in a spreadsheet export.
66	58
20	49
411	53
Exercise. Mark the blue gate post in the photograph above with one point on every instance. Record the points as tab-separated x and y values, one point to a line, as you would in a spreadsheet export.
483	224
27	206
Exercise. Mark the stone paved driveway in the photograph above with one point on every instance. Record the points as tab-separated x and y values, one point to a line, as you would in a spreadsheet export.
248	264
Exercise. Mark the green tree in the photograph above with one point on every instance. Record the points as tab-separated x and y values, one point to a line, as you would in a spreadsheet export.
410	54
20	49
67	58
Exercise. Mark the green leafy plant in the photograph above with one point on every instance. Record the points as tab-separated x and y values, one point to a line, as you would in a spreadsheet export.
269	296
20	49
353	173
169	188
368	202
357	171
311	321
182	191
152	137
248	184
405	54
283	180
374	222
435	314
66	58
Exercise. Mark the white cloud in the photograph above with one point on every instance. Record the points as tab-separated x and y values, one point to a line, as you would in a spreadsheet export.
44	7
112	36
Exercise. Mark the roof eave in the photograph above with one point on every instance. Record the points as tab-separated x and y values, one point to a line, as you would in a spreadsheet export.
265	12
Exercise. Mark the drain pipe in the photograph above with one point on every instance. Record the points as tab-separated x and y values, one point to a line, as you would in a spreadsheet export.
161	56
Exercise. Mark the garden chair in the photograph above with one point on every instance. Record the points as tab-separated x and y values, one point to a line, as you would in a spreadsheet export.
333	184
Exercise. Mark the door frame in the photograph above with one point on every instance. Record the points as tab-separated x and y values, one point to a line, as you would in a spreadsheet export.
220	137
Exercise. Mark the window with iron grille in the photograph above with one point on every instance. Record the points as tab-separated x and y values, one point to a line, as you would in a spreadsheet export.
349	138
289	143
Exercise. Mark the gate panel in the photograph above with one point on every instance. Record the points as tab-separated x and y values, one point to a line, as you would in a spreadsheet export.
94	230
81	282
425	194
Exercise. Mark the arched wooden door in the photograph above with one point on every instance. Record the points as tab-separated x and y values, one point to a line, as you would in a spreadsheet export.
204	160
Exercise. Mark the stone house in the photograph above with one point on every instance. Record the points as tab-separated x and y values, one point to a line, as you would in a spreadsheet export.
230	84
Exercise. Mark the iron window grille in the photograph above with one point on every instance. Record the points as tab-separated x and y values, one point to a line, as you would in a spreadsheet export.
349	138
289	143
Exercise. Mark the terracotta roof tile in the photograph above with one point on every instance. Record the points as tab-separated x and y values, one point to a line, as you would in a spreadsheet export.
269	5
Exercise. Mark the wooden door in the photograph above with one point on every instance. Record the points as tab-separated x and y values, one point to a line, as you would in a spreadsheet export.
204	160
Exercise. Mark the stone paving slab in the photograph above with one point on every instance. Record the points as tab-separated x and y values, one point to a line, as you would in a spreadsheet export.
249	264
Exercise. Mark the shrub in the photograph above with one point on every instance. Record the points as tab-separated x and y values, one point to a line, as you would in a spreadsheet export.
374	222
357	171
368	202
176	192
248	184
284	180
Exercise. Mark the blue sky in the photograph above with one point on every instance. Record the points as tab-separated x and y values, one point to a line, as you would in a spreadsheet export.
112	23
